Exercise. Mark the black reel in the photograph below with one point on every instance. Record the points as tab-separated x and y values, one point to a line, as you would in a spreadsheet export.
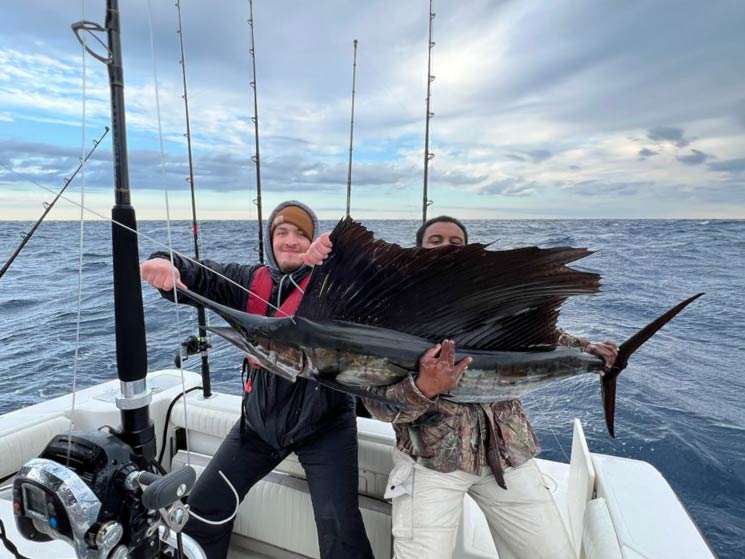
92	491
191	346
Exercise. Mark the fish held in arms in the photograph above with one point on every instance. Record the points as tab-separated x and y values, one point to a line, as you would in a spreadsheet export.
373	308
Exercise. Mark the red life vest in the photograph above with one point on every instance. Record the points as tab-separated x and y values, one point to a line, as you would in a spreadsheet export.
261	290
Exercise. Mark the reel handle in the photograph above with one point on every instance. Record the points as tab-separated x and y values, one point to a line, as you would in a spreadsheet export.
161	491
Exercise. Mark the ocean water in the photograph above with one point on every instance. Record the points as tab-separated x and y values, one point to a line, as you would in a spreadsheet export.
680	403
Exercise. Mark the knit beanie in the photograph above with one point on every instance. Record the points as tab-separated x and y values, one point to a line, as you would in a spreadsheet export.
298	217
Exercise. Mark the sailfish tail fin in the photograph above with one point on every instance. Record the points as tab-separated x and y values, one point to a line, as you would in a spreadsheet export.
625	350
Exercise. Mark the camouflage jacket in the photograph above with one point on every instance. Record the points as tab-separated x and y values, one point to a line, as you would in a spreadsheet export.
445	436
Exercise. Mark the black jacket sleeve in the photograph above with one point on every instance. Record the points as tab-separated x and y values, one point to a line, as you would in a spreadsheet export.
203	281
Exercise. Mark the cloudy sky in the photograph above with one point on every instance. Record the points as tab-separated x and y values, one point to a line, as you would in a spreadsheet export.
569	108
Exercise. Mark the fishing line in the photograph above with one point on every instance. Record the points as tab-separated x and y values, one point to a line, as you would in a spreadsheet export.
229	518
76	358
168	225
173	276
550	427
10	246
147	237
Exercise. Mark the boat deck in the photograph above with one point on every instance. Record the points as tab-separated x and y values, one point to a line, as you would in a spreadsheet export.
612	507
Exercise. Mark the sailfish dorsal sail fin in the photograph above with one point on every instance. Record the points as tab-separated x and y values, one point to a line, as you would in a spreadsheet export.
482	299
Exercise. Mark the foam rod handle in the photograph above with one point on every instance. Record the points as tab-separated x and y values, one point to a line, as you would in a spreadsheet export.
169	488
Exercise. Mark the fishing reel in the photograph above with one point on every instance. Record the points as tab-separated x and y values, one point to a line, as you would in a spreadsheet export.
93	492
191	346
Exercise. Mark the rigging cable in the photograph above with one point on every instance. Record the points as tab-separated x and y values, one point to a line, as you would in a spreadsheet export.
202	341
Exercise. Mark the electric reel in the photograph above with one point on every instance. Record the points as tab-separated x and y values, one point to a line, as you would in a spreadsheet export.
94	492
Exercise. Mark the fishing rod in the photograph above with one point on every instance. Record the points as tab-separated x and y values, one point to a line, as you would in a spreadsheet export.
131	352
351	132
256	159
200	344
428	155
26	236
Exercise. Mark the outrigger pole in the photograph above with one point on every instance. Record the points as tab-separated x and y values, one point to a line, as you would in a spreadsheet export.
131	350
26	236
256	159
200	344
351	133
427	154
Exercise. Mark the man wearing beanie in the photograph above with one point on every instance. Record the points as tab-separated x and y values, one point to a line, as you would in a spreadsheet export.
278	416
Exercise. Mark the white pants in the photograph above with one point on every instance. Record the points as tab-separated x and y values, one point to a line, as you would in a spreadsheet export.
428	506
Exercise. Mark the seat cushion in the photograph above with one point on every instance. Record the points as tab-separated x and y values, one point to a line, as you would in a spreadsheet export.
19	446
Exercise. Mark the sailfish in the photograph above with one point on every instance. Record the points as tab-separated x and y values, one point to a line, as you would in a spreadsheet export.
373	308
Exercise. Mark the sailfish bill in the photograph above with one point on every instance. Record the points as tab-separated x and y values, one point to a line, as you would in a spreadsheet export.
373	308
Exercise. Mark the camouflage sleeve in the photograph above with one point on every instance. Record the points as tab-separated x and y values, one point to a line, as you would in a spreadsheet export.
405	392
568	340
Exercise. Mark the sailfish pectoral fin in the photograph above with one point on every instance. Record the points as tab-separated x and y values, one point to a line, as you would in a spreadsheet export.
625	350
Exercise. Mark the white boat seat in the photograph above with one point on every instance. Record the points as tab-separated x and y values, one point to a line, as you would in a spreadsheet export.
598	536
210	420
278	513
646	512
581	485
27	440
375	457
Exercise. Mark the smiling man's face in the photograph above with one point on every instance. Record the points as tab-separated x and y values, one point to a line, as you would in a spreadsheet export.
289	243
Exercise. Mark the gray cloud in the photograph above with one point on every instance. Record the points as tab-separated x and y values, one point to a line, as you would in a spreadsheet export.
217	171
696	157
729	166
599	188
536	156
668	134
540	155
516	157
740	112
646	152
577	81
455	178
50	164
509	187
